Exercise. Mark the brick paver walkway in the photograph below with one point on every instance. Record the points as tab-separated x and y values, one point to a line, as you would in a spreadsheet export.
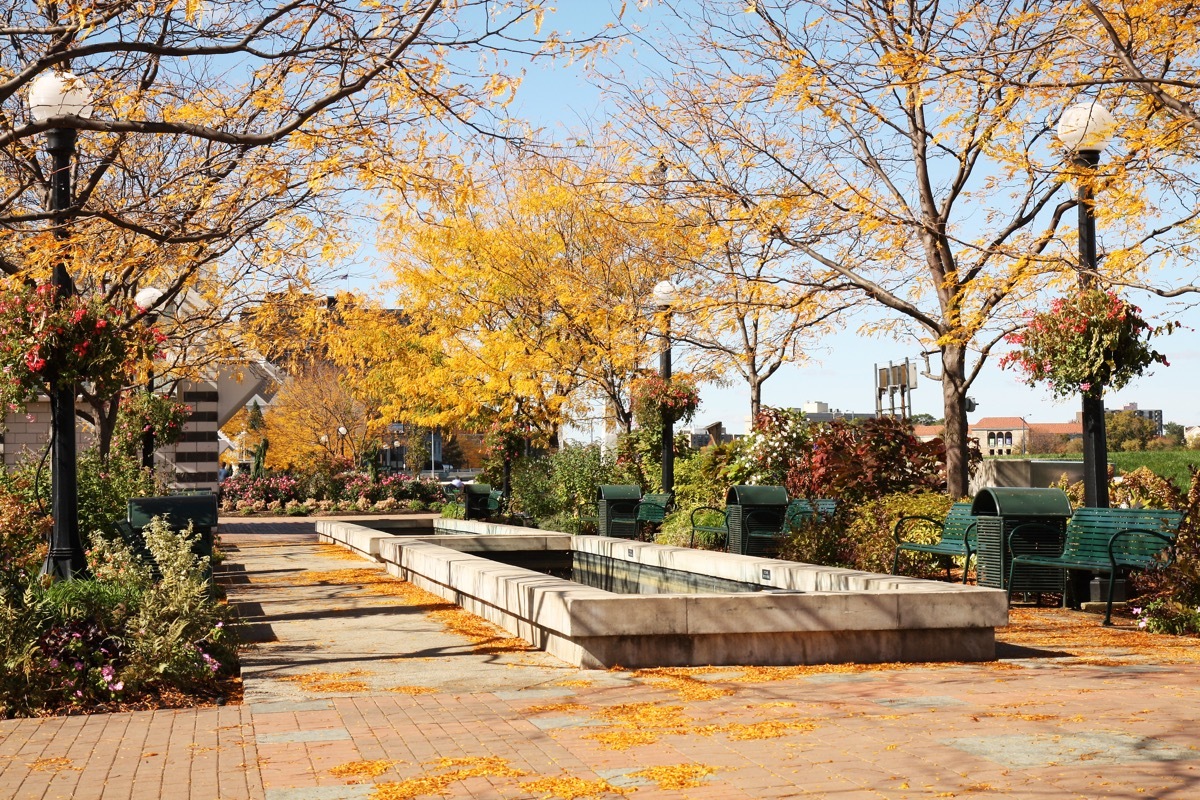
357	689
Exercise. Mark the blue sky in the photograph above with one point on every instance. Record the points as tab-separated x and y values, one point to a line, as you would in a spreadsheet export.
840	371
559	97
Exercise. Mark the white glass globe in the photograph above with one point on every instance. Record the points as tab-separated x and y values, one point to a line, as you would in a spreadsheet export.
1086	126
59	94
147	297
665	294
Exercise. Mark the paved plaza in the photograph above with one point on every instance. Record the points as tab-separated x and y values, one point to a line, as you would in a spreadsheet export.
360	686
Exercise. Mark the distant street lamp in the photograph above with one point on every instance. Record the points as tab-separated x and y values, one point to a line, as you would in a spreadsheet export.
62	97
1086	129
342	440
146	300
665	295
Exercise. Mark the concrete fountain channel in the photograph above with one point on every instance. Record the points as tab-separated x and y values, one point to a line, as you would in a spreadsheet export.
692	607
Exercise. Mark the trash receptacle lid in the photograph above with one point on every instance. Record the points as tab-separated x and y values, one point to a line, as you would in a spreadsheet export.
619	492
477	488
744	495
1008	501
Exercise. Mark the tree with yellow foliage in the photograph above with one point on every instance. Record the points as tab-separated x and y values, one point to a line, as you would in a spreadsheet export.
744	313
219	137
525	306
315	419
903	152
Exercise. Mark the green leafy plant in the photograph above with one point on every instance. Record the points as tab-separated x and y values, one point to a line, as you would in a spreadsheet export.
1164	615
1086	342
105	487
129	635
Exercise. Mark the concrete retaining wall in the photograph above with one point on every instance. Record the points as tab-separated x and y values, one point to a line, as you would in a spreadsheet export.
807	615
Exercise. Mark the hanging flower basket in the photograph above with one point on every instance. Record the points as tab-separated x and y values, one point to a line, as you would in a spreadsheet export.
45	342
1086	342
655	402
144	412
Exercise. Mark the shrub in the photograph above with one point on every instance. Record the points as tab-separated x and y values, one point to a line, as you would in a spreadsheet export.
871	458
1169	594
847	460
122	636
23	536
869	543
104	488
1168	616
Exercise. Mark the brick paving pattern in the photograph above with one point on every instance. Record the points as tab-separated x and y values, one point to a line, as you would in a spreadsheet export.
1090	715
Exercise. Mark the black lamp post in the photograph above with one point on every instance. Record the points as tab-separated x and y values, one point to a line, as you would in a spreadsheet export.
62	96
665	296
146	299
1085	129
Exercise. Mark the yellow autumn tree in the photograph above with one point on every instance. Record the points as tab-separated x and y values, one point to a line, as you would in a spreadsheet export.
525	307
316	419
221	136
900	151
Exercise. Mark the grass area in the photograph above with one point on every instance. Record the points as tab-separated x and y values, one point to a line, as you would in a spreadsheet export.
1172	464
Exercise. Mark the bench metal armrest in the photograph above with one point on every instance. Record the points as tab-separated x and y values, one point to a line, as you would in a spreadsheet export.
724	525
1166	538
967	531
724	516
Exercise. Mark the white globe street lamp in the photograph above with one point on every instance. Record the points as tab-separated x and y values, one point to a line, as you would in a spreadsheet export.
62	96
59	94
1086	129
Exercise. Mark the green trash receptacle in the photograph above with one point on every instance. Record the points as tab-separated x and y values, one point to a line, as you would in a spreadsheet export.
998	510
475	498
616	510
755	516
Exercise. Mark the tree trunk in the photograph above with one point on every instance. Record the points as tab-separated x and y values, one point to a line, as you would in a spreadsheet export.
104	418
755	402
954	396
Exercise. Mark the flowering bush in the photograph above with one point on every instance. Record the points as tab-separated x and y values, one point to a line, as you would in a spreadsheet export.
779	437
323	491
145	412
128	636
1168	616
655	402
1085	342
244	488
44	339
840	459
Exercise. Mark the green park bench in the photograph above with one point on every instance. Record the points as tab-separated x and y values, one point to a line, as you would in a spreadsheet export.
801	510
956	537
650	510
708	526
713	522
1110	541
180	511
